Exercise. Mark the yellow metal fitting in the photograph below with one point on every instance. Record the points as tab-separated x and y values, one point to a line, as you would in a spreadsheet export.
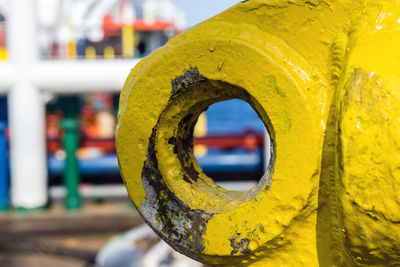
109	52
90	52
323	76
128	41
3	53
71	49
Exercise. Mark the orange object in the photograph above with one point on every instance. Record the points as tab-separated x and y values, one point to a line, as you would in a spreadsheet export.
113	28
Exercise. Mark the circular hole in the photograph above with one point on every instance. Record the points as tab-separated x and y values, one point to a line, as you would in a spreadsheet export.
174	146
232	145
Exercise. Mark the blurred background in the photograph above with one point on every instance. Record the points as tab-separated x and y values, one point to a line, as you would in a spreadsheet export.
62	66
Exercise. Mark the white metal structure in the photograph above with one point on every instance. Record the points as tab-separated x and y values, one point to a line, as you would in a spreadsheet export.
125	250
25	78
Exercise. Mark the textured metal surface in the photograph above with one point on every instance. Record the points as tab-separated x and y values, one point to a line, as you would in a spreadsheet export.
322	76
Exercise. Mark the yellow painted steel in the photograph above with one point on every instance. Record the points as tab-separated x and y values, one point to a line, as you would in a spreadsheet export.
200	130
128	41
3	53
90	52
109	52
71	49
324	78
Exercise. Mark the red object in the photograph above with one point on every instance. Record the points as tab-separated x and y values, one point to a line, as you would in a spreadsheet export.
53	145
250	140
53	132
141	25
107	145
2	37
113	28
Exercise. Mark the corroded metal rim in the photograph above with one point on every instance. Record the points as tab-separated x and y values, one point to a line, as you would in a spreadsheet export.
159	107
170	216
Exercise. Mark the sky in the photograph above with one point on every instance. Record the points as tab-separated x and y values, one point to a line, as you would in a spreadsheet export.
198	10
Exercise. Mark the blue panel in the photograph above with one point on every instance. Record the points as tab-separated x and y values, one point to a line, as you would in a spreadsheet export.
232	116
215	160
233	160
100	165
4	179
80	47
3	109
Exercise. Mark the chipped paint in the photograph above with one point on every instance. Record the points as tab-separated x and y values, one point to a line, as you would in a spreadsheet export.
172	219
322	75
190	77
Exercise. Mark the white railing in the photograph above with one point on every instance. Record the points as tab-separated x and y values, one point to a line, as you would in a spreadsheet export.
25	78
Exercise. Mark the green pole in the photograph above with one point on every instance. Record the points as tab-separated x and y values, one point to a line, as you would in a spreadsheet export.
71	170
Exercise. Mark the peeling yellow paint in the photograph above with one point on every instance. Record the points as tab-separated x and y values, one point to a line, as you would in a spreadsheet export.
323	76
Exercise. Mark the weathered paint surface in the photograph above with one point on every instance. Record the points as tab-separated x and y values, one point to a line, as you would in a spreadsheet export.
323	76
